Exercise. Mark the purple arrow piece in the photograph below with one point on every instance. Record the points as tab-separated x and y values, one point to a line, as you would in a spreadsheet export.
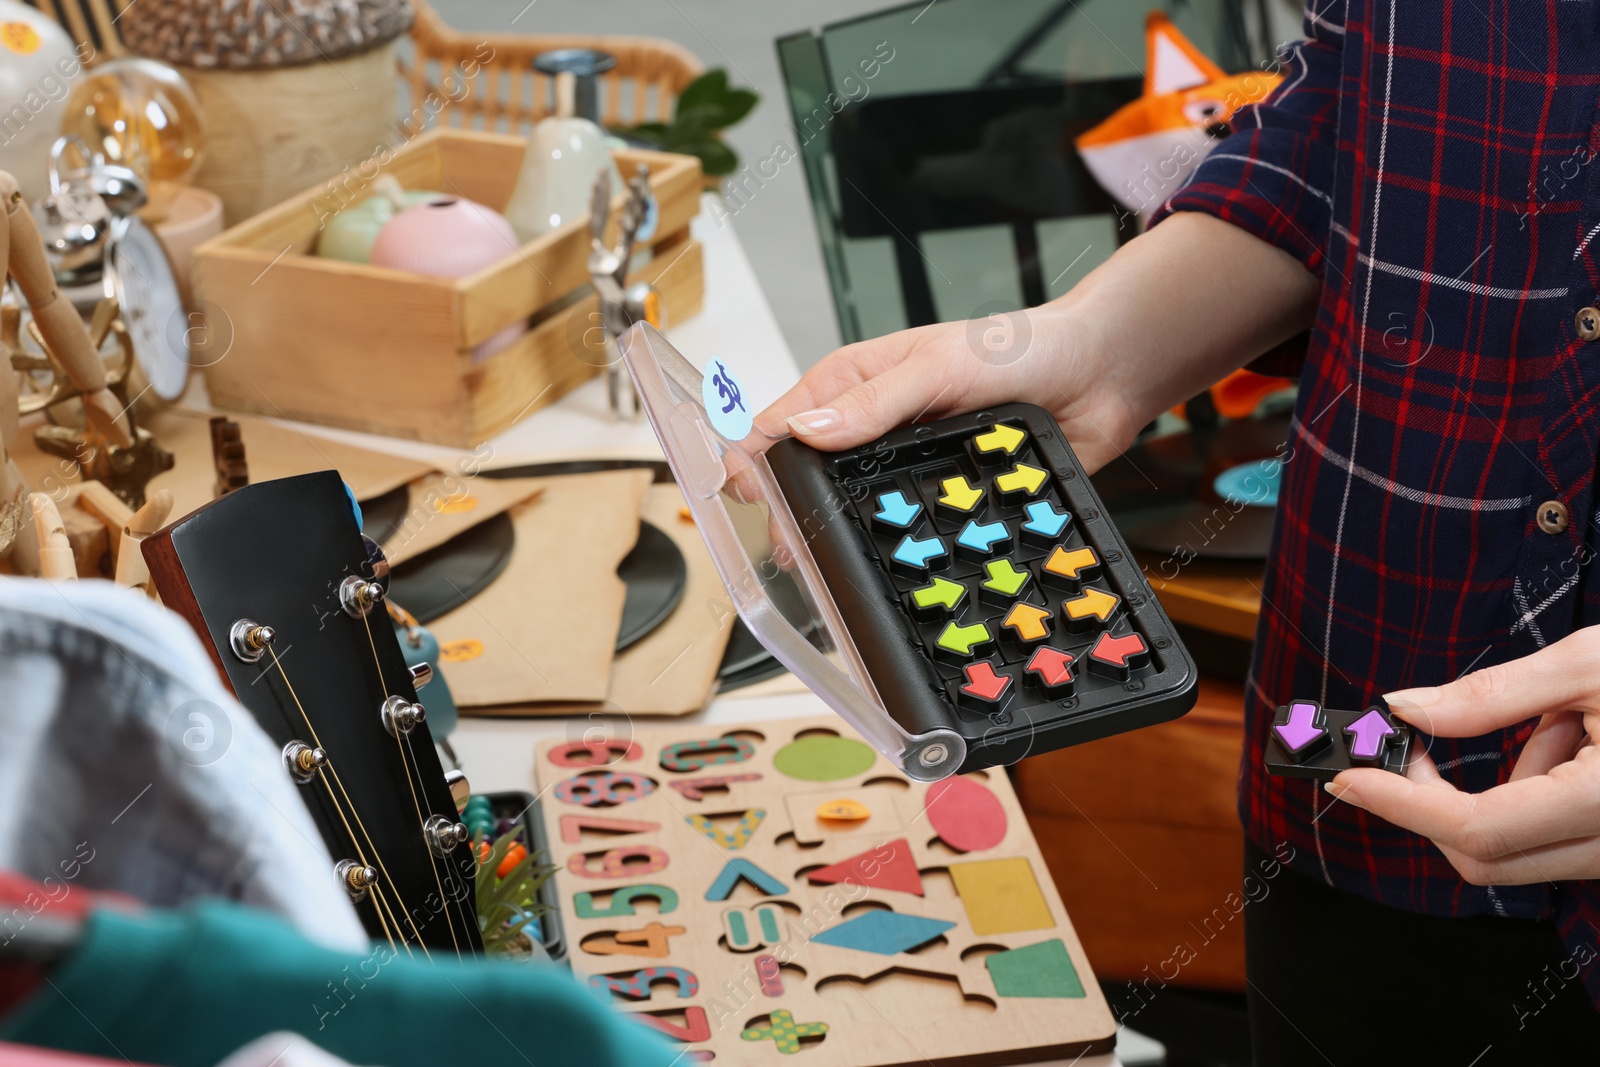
1371	732
1301	731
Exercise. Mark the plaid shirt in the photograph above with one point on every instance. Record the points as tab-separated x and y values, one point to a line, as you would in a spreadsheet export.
1435	165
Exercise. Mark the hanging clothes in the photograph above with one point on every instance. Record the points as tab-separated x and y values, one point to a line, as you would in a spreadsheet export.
186	988
126	766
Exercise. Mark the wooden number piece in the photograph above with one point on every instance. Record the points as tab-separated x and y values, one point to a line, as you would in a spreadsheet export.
573	826
696	1027
653	941
595	753
636	986
595	790
697	788
621	903
687	756
627	861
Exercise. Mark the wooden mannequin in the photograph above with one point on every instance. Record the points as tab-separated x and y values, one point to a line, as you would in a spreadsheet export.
23	255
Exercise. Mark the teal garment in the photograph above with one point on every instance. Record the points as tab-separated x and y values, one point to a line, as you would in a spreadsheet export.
186	988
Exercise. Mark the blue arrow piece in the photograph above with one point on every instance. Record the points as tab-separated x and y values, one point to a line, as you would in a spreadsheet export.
895	510
1044	519
979	536
914	553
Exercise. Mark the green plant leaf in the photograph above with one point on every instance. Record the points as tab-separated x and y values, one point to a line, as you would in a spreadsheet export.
708	90
716	158
740	102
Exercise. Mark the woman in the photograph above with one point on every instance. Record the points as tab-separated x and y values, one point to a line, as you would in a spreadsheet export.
1420	195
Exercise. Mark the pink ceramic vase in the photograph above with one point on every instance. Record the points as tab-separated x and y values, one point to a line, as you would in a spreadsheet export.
450	238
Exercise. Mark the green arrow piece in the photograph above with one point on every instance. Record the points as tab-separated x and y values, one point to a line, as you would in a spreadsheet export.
1004	578
963	639
943	593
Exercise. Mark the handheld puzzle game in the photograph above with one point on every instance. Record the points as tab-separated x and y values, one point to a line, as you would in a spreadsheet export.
1310	741
957	591
779	888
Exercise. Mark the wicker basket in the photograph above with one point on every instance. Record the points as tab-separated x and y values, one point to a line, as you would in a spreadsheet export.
505	93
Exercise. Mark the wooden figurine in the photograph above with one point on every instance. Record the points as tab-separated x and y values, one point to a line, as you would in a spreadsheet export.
72	351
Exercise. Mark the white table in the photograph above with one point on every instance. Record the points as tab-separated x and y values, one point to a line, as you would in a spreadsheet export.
736	325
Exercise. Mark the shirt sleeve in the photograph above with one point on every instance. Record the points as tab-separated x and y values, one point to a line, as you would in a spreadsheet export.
1273	176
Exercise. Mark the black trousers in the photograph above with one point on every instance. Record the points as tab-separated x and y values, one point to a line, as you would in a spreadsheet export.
1337	979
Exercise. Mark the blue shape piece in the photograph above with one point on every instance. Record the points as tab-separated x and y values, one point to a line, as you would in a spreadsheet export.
915	553
739	868
883	932
895	510
981	536
1044	519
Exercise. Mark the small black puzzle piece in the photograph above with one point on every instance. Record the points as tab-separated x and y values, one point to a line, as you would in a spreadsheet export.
1307	740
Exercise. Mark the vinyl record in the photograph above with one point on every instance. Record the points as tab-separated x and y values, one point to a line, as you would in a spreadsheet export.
1208	493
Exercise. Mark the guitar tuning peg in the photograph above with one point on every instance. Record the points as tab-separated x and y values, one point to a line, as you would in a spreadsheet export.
358	596
400	716
250	640
357	878
444	836
303	761
421	675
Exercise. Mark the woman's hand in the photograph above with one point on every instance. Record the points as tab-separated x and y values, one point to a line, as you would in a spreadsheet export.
1045	355
1541	826
1173	311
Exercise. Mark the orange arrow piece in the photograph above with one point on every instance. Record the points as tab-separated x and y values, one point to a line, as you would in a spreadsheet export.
1093	604
1029	622
1072	563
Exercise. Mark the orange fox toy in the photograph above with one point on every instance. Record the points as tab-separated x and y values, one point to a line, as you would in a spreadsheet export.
1144	151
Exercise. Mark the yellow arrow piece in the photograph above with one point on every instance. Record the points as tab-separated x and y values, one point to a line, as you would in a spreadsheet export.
1093	604
1071	563
1002	438
959	495
1029	621
1021	479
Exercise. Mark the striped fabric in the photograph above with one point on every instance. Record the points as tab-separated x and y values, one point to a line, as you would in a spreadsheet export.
1434	165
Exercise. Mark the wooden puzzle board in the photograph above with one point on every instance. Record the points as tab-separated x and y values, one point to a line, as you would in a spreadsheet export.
646	827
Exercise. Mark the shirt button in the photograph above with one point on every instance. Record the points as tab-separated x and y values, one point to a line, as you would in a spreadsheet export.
1588	323
1553	516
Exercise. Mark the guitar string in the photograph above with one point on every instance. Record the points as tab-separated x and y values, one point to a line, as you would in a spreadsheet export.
333	773
380	902
416	805
379	899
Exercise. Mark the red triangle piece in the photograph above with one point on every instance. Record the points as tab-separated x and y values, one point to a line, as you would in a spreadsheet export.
889	866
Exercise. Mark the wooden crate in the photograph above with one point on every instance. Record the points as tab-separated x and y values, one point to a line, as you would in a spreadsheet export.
388	351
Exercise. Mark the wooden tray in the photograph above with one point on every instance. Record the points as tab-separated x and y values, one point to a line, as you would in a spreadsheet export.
662	950
389	351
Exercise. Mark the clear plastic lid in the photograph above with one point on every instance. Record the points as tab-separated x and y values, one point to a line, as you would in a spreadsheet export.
761	554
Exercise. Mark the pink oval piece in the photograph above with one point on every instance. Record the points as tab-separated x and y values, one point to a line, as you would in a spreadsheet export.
967	816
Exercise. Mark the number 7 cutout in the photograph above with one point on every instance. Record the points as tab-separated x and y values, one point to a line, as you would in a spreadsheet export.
573	826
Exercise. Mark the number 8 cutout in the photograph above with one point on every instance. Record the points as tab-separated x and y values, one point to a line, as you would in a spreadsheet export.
598	790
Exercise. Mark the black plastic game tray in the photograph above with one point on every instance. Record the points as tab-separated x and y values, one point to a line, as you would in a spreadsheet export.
984	587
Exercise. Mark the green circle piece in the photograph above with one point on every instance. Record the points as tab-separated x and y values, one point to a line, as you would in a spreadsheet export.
823	759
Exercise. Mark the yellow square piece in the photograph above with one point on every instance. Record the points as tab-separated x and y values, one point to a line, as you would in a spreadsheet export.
1001	896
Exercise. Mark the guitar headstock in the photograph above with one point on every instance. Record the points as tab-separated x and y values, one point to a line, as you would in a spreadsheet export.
287	597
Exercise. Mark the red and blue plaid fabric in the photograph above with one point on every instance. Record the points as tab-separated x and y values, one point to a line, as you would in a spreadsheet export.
1435	164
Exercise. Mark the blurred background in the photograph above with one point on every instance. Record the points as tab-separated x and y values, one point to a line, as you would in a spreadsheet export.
792	54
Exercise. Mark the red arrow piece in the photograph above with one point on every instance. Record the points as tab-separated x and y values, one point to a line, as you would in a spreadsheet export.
1118	650
984	683
1053	666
